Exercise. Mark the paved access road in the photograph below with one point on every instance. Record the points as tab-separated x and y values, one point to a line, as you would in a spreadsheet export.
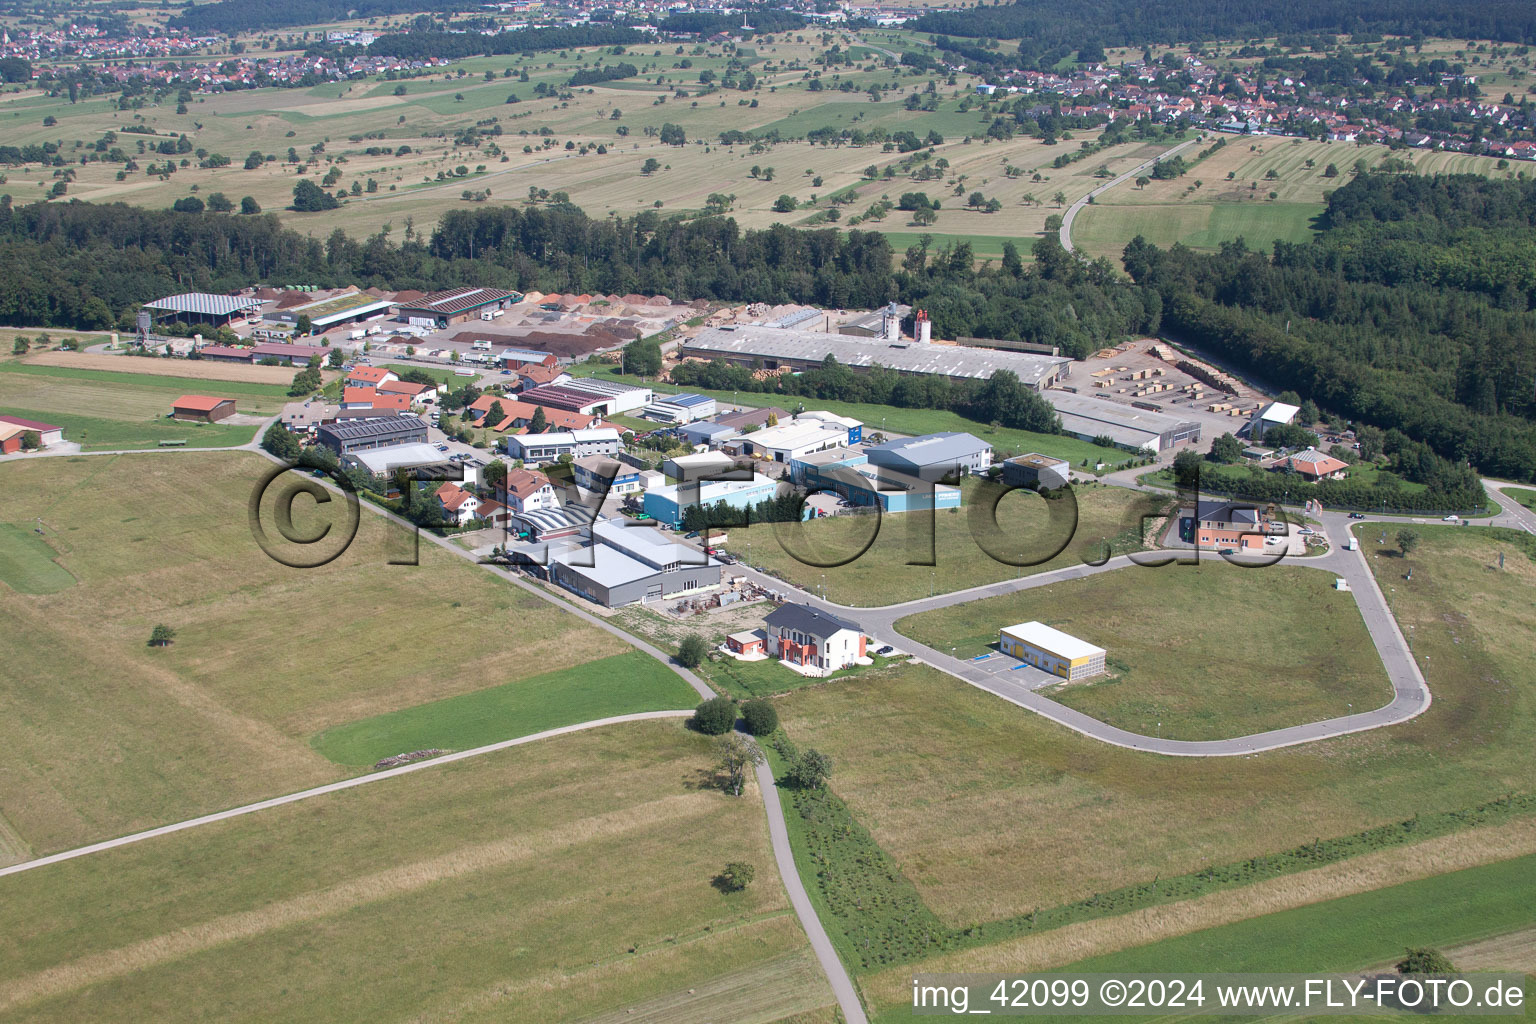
1410	693
1076	208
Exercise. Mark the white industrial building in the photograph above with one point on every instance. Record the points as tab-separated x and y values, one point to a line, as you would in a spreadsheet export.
550	445
792	349
790	440
1086	417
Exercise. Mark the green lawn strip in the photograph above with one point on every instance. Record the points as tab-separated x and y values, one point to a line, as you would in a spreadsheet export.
1522	495
618	685
743	679
872	912
95	434
1351	932
1344	934
877	918
27	562
180	385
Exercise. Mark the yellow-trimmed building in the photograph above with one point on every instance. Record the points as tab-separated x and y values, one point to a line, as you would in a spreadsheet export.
1051	650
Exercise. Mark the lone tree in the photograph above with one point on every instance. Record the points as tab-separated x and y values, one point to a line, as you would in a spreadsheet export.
759	717
1425	960
737	755
1407	541
809	770
280	442
161	636
539	423
736	876
494	415
715	717
305	382
691	652
1142	181
651	166
31	440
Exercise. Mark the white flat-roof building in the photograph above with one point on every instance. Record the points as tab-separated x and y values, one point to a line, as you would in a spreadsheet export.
1086	417
1051	650
1272	415
788	348
549	446
382	461
790	440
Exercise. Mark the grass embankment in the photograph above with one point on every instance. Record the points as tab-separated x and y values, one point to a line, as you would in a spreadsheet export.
1195	652
555	881
618	685
127	410
960	788
868	560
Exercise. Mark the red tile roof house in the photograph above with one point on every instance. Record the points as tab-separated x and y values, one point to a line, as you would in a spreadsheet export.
369	376
49	433
520	414
1314	465
460	505
417	393
358	397
202	407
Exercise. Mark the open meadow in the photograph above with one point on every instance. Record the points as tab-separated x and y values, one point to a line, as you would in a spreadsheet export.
109	409
994	815
1196	652
1262	189
879	560
560	880
123	736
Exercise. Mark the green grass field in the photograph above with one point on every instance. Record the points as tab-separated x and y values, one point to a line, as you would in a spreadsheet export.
1232	198
1523	495
122	736
865	560
107	410
1352	933
556	881
27	563
1184	661
617	685
959	786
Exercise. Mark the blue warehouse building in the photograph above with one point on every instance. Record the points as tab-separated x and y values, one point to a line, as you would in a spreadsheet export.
848	473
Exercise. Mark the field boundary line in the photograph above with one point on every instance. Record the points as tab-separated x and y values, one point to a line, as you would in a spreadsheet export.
335	787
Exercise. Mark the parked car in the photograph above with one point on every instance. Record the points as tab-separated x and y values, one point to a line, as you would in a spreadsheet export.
887	649
1357	515
442	447
691	534
506	373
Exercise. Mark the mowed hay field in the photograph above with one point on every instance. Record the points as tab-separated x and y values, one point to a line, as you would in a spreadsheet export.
992	811
869	560
119	736
554	881
120	408
1196	652
1222	209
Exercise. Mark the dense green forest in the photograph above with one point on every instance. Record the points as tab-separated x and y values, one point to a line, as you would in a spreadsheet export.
1051	29
1411	310
457	45
231	16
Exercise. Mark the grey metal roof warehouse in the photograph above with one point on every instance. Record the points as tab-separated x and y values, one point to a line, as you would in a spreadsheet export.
1086	417
203	303
801	350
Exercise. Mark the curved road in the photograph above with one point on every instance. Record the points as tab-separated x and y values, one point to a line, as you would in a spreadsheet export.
1073	210
1410	693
